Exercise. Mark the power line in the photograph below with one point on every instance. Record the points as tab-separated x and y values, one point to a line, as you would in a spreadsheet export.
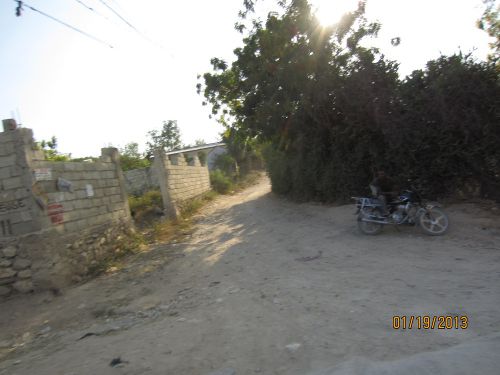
21	3
91	9
85	5
119	16
130	25
117	4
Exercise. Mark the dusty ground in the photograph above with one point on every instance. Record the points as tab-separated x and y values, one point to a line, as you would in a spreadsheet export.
266	286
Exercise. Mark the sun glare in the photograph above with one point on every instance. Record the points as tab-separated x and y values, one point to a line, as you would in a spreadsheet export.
330	11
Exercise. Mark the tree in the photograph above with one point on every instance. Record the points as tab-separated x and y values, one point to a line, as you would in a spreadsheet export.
197	142
312	93
328	110
168	138
490	22
448	132
131	158
49	149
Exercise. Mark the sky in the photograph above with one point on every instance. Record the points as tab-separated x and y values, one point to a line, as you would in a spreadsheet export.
59	82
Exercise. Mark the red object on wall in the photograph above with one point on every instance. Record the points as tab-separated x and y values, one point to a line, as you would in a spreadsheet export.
56	213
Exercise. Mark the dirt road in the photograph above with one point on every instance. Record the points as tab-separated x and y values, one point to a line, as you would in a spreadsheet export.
266	286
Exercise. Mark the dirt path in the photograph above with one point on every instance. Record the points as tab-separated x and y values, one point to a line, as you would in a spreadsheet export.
265	286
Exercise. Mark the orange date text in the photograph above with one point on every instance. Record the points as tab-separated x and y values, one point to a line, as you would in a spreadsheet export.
430	322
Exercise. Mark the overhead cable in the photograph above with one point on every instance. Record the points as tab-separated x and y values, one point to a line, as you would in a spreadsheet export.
91	9
21	3
119	16
130	25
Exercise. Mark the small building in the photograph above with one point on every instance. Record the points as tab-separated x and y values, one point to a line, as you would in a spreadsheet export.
211	151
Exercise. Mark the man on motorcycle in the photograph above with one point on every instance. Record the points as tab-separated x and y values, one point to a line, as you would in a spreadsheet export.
383	188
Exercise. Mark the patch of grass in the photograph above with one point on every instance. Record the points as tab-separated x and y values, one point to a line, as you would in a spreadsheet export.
247	180
129	243
145	206
147	200
192	206
222	183
170	230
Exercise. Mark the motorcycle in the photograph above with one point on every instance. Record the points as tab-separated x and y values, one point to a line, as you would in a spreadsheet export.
407	209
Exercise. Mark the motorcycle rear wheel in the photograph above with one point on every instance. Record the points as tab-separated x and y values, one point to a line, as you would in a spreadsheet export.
434	222
367	227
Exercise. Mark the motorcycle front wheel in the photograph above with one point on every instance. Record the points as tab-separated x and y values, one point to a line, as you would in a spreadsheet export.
367	227
434	222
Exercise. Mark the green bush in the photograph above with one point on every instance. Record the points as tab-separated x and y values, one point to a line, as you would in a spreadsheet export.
129	162
131	158
220	182
146	202
227	164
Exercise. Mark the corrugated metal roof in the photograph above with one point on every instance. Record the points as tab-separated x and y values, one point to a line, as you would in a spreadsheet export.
197	148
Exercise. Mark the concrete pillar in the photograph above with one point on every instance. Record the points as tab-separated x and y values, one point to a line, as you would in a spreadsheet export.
160	164
195	160
112	154
178	159
9	124
20	214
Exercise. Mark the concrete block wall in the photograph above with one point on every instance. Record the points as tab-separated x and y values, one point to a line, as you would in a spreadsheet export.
95	196
18	214
139	181
180	181
186	181
15	270
49	209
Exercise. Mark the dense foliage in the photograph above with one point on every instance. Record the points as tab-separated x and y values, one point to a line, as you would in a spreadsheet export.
50	151
168	138
220	182
490	22
448	127
330	110
131	158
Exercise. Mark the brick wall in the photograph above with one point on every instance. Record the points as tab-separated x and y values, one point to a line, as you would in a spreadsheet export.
180	181
139	181
93	197
49	210
59	219
17	211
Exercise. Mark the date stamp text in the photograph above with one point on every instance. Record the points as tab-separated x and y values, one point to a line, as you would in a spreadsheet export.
430	322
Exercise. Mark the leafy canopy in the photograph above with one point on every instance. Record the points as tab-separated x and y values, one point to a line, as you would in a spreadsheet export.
328	110
168	138
490	22
50	151
131	158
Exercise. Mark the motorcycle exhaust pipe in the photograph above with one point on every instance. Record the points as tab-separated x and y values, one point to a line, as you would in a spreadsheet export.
374	221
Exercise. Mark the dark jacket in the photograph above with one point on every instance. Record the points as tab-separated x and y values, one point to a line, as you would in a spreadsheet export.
383	184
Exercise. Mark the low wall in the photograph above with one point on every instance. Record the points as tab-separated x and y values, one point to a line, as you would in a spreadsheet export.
95	196
47	260
48	208
180	181
17	209
139	181
15	270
